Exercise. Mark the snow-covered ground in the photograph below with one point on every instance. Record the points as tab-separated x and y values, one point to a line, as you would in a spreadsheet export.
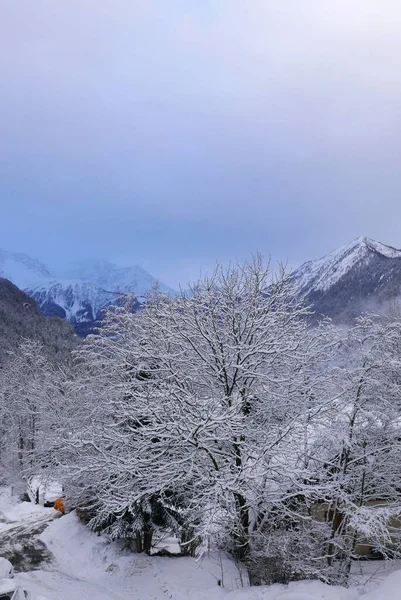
20	527
82	566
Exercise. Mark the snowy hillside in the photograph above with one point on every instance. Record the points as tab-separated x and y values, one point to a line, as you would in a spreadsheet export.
362	275
21	319
80	293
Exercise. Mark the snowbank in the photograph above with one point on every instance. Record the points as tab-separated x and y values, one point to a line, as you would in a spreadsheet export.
115	573
88	567
300	590
105	570
389	589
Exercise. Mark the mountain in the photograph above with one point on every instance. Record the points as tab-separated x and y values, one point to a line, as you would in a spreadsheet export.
79	302
105	275
363	275
80	293
20	319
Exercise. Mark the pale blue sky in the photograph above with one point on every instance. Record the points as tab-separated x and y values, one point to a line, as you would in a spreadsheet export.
173	133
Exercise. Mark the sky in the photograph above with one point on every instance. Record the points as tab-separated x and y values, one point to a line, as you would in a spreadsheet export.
174	133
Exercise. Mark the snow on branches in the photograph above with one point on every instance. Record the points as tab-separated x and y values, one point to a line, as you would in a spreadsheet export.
220	414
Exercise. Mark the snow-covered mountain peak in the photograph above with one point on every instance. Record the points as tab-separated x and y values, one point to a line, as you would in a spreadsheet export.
387	251
110	277
363	244
22	270
323	273
80	293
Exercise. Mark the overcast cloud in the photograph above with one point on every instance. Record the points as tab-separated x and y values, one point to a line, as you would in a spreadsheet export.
173	133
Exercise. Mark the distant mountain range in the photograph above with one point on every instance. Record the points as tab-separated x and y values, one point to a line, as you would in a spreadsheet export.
361	276
80	293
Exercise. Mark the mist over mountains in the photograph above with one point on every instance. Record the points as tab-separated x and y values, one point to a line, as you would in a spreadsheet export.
364	275
79	293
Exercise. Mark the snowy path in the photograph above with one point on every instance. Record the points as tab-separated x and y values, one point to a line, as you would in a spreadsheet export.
20	528
57	558
86	566
60	559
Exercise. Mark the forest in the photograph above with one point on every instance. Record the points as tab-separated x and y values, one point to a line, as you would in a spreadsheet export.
224	416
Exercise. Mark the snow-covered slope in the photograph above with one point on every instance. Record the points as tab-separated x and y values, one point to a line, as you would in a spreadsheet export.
21	319
77	301
80	293
362	275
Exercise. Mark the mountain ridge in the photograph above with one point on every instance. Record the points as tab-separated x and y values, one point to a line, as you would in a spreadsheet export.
362	275
78	294
359	276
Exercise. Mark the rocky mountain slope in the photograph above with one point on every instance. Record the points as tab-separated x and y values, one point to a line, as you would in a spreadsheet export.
361	276
80	293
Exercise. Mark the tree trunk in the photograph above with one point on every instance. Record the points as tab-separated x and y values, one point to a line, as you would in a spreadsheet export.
242	540
138	542
147	538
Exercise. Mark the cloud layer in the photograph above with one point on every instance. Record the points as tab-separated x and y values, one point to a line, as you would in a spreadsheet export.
174	133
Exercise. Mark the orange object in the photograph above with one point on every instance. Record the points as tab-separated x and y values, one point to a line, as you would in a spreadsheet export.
59	505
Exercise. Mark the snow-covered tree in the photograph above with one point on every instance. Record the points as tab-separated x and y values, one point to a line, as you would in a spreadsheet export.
221	414
31	406
201	398
358	451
